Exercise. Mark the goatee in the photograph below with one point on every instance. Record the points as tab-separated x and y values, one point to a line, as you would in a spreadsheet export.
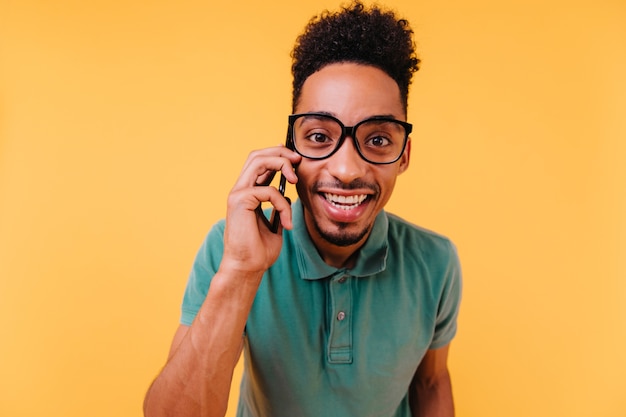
342	237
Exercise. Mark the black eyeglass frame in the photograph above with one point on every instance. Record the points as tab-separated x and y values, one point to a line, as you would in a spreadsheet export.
347	131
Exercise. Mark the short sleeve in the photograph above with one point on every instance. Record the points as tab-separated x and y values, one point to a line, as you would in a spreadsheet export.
205	266
449	302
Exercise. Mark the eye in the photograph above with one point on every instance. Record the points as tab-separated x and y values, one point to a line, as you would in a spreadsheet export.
318	137
378	141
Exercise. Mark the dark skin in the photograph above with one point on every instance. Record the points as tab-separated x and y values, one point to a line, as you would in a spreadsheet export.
213	343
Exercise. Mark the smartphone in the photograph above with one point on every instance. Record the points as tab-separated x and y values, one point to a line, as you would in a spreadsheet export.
274	221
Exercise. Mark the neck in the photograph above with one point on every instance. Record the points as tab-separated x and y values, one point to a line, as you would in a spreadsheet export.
337	256
340	257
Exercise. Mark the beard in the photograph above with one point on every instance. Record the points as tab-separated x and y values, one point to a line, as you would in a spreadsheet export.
342	237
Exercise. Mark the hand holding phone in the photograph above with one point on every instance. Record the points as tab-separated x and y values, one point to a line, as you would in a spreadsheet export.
273	222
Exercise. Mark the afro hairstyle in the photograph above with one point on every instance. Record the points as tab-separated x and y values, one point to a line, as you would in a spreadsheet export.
356	34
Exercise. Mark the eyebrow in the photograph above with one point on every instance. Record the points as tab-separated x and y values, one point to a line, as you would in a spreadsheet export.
375	116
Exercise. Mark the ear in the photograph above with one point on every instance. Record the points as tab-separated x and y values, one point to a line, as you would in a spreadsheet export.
405	158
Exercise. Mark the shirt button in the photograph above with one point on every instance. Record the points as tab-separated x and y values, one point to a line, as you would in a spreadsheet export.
342	280
341	315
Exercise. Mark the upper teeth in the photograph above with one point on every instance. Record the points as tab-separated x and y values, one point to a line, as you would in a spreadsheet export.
345	199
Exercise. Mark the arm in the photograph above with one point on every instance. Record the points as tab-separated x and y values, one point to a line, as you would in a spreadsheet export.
430	393
197	376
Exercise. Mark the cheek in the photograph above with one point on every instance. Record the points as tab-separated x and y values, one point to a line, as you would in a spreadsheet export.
386	181
301	189
304	180
386	175
306	172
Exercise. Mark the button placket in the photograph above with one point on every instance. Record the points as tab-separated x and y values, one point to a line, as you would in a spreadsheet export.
340	337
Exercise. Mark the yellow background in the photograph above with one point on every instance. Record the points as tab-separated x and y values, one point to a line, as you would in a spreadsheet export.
123	125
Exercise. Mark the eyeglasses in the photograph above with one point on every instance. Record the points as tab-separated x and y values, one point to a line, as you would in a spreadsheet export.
378	140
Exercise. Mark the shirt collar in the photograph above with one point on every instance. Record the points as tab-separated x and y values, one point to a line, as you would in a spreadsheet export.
371	258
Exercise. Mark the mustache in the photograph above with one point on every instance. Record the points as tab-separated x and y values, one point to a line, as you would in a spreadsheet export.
354	185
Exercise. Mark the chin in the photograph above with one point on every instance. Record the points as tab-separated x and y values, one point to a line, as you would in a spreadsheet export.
342	237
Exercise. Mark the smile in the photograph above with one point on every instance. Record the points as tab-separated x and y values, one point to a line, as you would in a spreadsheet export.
344	202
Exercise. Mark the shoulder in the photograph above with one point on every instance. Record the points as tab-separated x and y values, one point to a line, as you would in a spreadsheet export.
431	258
418	251
210	252
215	236
412	237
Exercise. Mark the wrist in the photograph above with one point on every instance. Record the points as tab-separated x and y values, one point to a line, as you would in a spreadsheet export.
239	272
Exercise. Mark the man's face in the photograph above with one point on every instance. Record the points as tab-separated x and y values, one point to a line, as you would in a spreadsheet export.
343	194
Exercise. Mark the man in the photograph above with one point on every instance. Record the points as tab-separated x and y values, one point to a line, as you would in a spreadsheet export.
346	310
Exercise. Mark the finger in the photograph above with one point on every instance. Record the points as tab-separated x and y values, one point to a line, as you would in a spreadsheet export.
266	179
286	222
284	214
282	205
262	169
249	198
280	151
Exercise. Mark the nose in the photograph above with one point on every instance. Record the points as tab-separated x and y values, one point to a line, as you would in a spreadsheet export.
346	164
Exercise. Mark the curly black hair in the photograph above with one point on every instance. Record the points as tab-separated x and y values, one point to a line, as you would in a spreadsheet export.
355	34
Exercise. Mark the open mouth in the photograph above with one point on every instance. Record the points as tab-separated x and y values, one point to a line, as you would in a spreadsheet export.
345	202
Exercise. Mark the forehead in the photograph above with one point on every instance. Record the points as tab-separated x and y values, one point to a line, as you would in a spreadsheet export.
351	92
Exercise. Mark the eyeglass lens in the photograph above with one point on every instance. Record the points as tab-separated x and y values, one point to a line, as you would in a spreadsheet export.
378	140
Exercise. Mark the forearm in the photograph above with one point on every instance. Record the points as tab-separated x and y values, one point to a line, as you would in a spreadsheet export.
432	398
197	377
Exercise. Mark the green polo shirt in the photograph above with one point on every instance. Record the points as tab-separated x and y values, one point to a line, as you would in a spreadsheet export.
322	341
